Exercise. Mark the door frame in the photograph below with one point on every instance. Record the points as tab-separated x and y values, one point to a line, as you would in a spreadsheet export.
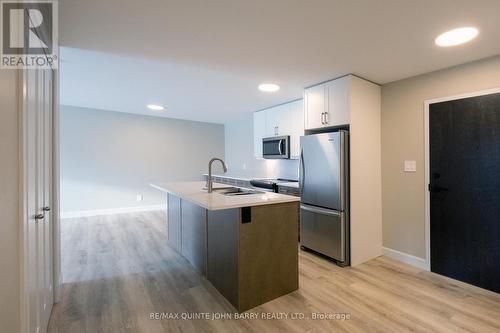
427	104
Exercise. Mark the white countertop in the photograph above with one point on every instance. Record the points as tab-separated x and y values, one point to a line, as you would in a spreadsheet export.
289	184
193	192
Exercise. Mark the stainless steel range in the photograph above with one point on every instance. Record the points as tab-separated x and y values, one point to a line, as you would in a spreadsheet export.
278	185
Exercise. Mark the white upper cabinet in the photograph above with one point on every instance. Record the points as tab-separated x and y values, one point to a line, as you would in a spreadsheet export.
281	120
327	104
259	132
315	106
278	120
338	111
297	121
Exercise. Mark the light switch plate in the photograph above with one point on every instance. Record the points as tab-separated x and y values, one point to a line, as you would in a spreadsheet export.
410	166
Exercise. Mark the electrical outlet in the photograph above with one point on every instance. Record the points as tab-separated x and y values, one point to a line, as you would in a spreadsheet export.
139	197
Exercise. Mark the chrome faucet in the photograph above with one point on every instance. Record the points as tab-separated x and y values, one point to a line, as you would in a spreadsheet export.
209	180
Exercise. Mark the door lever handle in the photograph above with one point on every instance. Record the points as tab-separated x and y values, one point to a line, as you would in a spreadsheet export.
39	216
437	188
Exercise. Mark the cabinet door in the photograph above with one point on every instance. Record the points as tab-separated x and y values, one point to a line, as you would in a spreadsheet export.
315	106
259	131
284	119
174	222
271	122
338	112
222	252
194	235
297	124
278	120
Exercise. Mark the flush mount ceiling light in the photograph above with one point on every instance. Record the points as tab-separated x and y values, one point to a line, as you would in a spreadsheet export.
457	36
155	107
269	87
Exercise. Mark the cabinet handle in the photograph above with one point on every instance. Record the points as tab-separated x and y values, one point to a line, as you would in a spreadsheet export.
326	118
39	217
322	118
46	209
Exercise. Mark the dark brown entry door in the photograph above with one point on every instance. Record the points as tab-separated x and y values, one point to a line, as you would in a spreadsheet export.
465	190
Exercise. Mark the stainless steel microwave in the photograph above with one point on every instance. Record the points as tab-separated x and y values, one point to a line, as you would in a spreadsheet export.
276	147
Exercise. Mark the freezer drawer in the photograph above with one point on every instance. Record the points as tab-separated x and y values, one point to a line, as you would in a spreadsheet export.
323	231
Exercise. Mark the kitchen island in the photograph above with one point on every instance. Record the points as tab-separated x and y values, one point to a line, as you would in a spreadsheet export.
244	244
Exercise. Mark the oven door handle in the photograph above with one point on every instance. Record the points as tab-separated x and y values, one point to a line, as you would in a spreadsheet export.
279	146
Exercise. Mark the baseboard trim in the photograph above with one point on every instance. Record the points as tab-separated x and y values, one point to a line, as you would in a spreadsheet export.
97	212
405	257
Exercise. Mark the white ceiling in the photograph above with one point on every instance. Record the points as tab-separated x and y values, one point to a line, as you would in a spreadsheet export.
204	59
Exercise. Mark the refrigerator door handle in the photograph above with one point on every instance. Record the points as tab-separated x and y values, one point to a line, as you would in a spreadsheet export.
343	158
303	173
321	211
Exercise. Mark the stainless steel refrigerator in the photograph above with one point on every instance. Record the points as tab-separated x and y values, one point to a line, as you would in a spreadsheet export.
324	189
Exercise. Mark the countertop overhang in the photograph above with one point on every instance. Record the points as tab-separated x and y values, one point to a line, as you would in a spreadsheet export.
193	191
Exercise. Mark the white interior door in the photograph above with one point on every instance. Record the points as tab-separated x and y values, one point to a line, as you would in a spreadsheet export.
46	287
30	158
40	225
38	177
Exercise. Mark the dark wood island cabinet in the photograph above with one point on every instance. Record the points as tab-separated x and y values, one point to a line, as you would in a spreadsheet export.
249	253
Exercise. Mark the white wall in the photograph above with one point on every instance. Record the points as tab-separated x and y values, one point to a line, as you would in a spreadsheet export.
403	193
9	209
240	153
107	158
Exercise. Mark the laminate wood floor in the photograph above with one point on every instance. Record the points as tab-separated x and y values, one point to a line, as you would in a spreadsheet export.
118	270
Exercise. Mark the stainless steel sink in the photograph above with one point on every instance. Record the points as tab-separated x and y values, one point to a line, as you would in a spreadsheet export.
233	191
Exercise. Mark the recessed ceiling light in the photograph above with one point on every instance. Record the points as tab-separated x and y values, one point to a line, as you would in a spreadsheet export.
156	107
457	36
269	87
